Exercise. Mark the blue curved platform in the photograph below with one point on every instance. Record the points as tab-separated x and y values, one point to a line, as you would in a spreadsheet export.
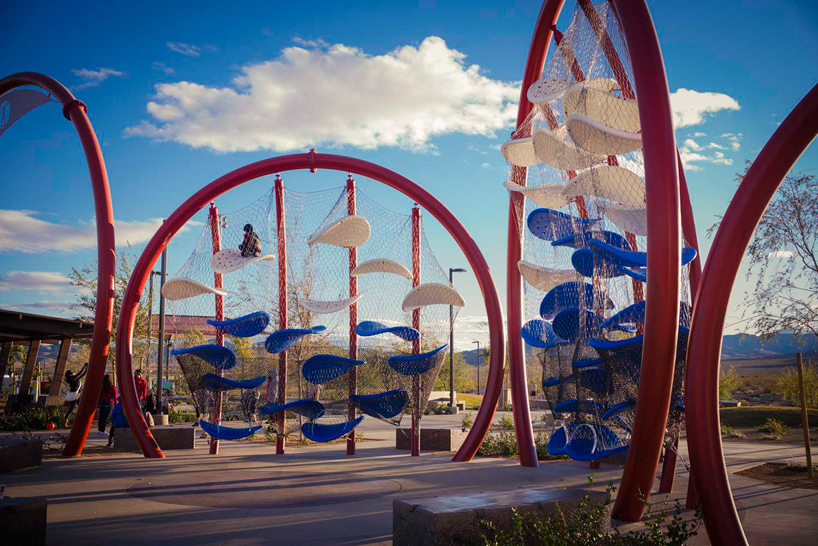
246	326
309	408
567	295
382	405
582	447
227	433
595	380
619	409
631	258
595	264
580	406
583	240
540	334
317	432
417	364
638	273
284	339
221	357
624	357
567	324
371	328
552	225
218	383
588	363
319	369
554	381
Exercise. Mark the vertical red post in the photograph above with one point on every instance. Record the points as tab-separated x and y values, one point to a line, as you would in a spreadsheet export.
281	236
215	230
353	316
416	325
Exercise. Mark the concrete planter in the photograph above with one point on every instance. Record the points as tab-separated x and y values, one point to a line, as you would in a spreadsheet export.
431	439
16	454
23	521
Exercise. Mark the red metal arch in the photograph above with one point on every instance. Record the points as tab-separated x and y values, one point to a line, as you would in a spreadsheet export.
282	164
746	209
75	111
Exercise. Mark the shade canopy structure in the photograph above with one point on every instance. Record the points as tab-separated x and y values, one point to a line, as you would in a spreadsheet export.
230	259
431	294
182	288
247	326
20	327
347	232
381	265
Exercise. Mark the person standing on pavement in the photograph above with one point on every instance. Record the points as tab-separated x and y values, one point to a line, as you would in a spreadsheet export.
141	389
107	398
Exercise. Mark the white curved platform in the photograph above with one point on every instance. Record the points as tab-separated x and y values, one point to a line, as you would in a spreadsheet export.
230	259
550	196
520	152
182	288
627	218
547	89
608	182
598	138
600	105
431	293
347	232
543	278
553	148
321	307
381	265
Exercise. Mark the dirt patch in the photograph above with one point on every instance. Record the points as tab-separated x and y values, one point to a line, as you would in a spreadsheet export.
793	436
786	475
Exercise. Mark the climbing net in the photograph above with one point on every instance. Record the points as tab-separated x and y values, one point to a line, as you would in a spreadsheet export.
576	177
367	315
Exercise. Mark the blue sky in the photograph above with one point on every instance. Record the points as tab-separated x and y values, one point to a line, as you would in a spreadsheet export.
114	56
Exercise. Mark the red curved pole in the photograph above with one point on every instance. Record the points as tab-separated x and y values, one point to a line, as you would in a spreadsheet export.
543	31
197	201
75	111
746	209
664	259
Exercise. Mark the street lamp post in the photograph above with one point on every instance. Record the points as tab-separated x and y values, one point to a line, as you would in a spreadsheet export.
452	271
478	366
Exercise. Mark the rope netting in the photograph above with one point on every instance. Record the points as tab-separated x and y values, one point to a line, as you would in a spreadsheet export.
581	209
328	387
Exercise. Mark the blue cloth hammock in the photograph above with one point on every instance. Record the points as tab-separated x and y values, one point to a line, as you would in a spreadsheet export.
567	324
595	380
583	240
309	408
580	406
540	334
596	264
382	405
592	441
371	328
631	258
320	369
552	225
217	383
221	357
283	339
318	432
554	381
567	295
417	364
227	433
246	326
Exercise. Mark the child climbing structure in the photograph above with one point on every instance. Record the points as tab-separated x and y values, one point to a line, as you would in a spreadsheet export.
341	315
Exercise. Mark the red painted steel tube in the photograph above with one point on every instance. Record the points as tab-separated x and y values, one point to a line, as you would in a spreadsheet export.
75	111
193	204
353	317
743	214
664	259
216	232
543	30
281	236
416	272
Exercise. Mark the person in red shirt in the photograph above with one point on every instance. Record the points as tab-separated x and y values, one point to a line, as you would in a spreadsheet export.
141	389
107	398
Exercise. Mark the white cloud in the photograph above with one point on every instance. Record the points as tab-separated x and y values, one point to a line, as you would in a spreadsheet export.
486	165
92	78
699	134
692	107
54	307
185	49
43	281
162	67
22	231
336	96
782	254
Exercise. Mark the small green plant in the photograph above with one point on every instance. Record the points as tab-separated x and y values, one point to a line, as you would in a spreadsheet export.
34	418
773	429
178	417
467	421
728	383
505	423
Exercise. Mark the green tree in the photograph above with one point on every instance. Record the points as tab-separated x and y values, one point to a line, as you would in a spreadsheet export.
788	385
728	383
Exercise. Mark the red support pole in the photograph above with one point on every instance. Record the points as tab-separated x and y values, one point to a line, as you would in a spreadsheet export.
743	214
353	316
281	237
416	416
664	257
215	230
75	111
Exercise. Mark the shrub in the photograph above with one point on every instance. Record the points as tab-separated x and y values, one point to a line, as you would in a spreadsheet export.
178	417
501	444
728	383
34	418
787	385
773	428
727	430
467	421
505	423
